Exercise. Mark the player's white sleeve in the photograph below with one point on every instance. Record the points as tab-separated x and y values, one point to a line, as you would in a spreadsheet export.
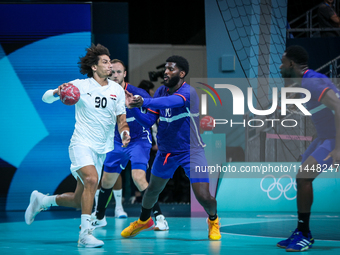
48	97
121	102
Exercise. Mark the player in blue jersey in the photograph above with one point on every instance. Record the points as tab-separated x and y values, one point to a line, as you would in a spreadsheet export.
324	150
138	152
176	106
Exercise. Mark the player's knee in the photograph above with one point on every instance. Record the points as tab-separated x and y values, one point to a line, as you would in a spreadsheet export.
204	198
152	193
138	177
77	203
107	183
76	200
91	182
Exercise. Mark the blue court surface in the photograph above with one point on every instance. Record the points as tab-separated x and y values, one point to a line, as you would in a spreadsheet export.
56	232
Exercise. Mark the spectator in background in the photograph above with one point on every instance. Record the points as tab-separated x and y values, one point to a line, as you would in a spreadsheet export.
148	86
328	19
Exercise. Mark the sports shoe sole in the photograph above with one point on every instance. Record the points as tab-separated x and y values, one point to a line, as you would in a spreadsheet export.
216	239
292	250
158	229
121	217
134	234
149	228
89	246
33	195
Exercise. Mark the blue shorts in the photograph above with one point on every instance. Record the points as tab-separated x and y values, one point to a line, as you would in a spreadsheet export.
319	149
165	165
137	151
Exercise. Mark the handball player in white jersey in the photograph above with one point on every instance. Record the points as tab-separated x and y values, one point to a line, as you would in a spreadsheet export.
101	106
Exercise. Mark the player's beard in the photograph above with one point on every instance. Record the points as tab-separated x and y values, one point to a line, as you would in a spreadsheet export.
172	82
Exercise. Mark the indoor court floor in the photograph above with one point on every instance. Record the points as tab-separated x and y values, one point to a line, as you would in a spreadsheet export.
242	233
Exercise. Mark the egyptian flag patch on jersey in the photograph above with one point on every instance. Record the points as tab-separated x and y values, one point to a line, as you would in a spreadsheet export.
113	97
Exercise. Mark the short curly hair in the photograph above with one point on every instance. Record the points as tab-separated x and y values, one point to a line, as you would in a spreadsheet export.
181	62
91	58
297	54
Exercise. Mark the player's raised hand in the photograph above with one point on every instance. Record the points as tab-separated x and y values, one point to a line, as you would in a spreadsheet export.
60	88
126	139
128	99
137	101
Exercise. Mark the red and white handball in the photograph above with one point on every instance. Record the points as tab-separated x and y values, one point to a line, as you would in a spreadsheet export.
70	94
207	123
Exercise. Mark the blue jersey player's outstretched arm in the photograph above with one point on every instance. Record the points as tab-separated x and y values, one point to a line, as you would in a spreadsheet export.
148	119
145	119
163	102
172	101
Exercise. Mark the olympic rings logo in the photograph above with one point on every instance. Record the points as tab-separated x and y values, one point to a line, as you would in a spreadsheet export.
279	187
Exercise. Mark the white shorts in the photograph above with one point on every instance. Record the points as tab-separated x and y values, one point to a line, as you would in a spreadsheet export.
82	155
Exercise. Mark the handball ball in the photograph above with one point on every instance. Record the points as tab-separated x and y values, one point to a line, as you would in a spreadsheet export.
207	123
70	94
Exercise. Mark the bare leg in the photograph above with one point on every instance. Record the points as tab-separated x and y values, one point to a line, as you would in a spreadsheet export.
203	196
90	178
151	194
139	178
71	199
118	185
109	180
304	180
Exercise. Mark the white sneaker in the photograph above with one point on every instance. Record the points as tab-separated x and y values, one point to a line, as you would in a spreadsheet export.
87	240
161	223
34	207
95	223
120	213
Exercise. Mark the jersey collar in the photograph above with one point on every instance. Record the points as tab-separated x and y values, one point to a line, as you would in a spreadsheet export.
178	88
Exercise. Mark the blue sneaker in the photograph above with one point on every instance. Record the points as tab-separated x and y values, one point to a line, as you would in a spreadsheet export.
300	242
284	243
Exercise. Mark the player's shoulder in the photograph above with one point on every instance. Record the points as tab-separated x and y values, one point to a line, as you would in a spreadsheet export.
115	86
81	83
161	91
313	74
186	89
312	78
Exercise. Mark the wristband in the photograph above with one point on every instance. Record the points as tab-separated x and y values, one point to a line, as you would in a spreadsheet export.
49	96
122	133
